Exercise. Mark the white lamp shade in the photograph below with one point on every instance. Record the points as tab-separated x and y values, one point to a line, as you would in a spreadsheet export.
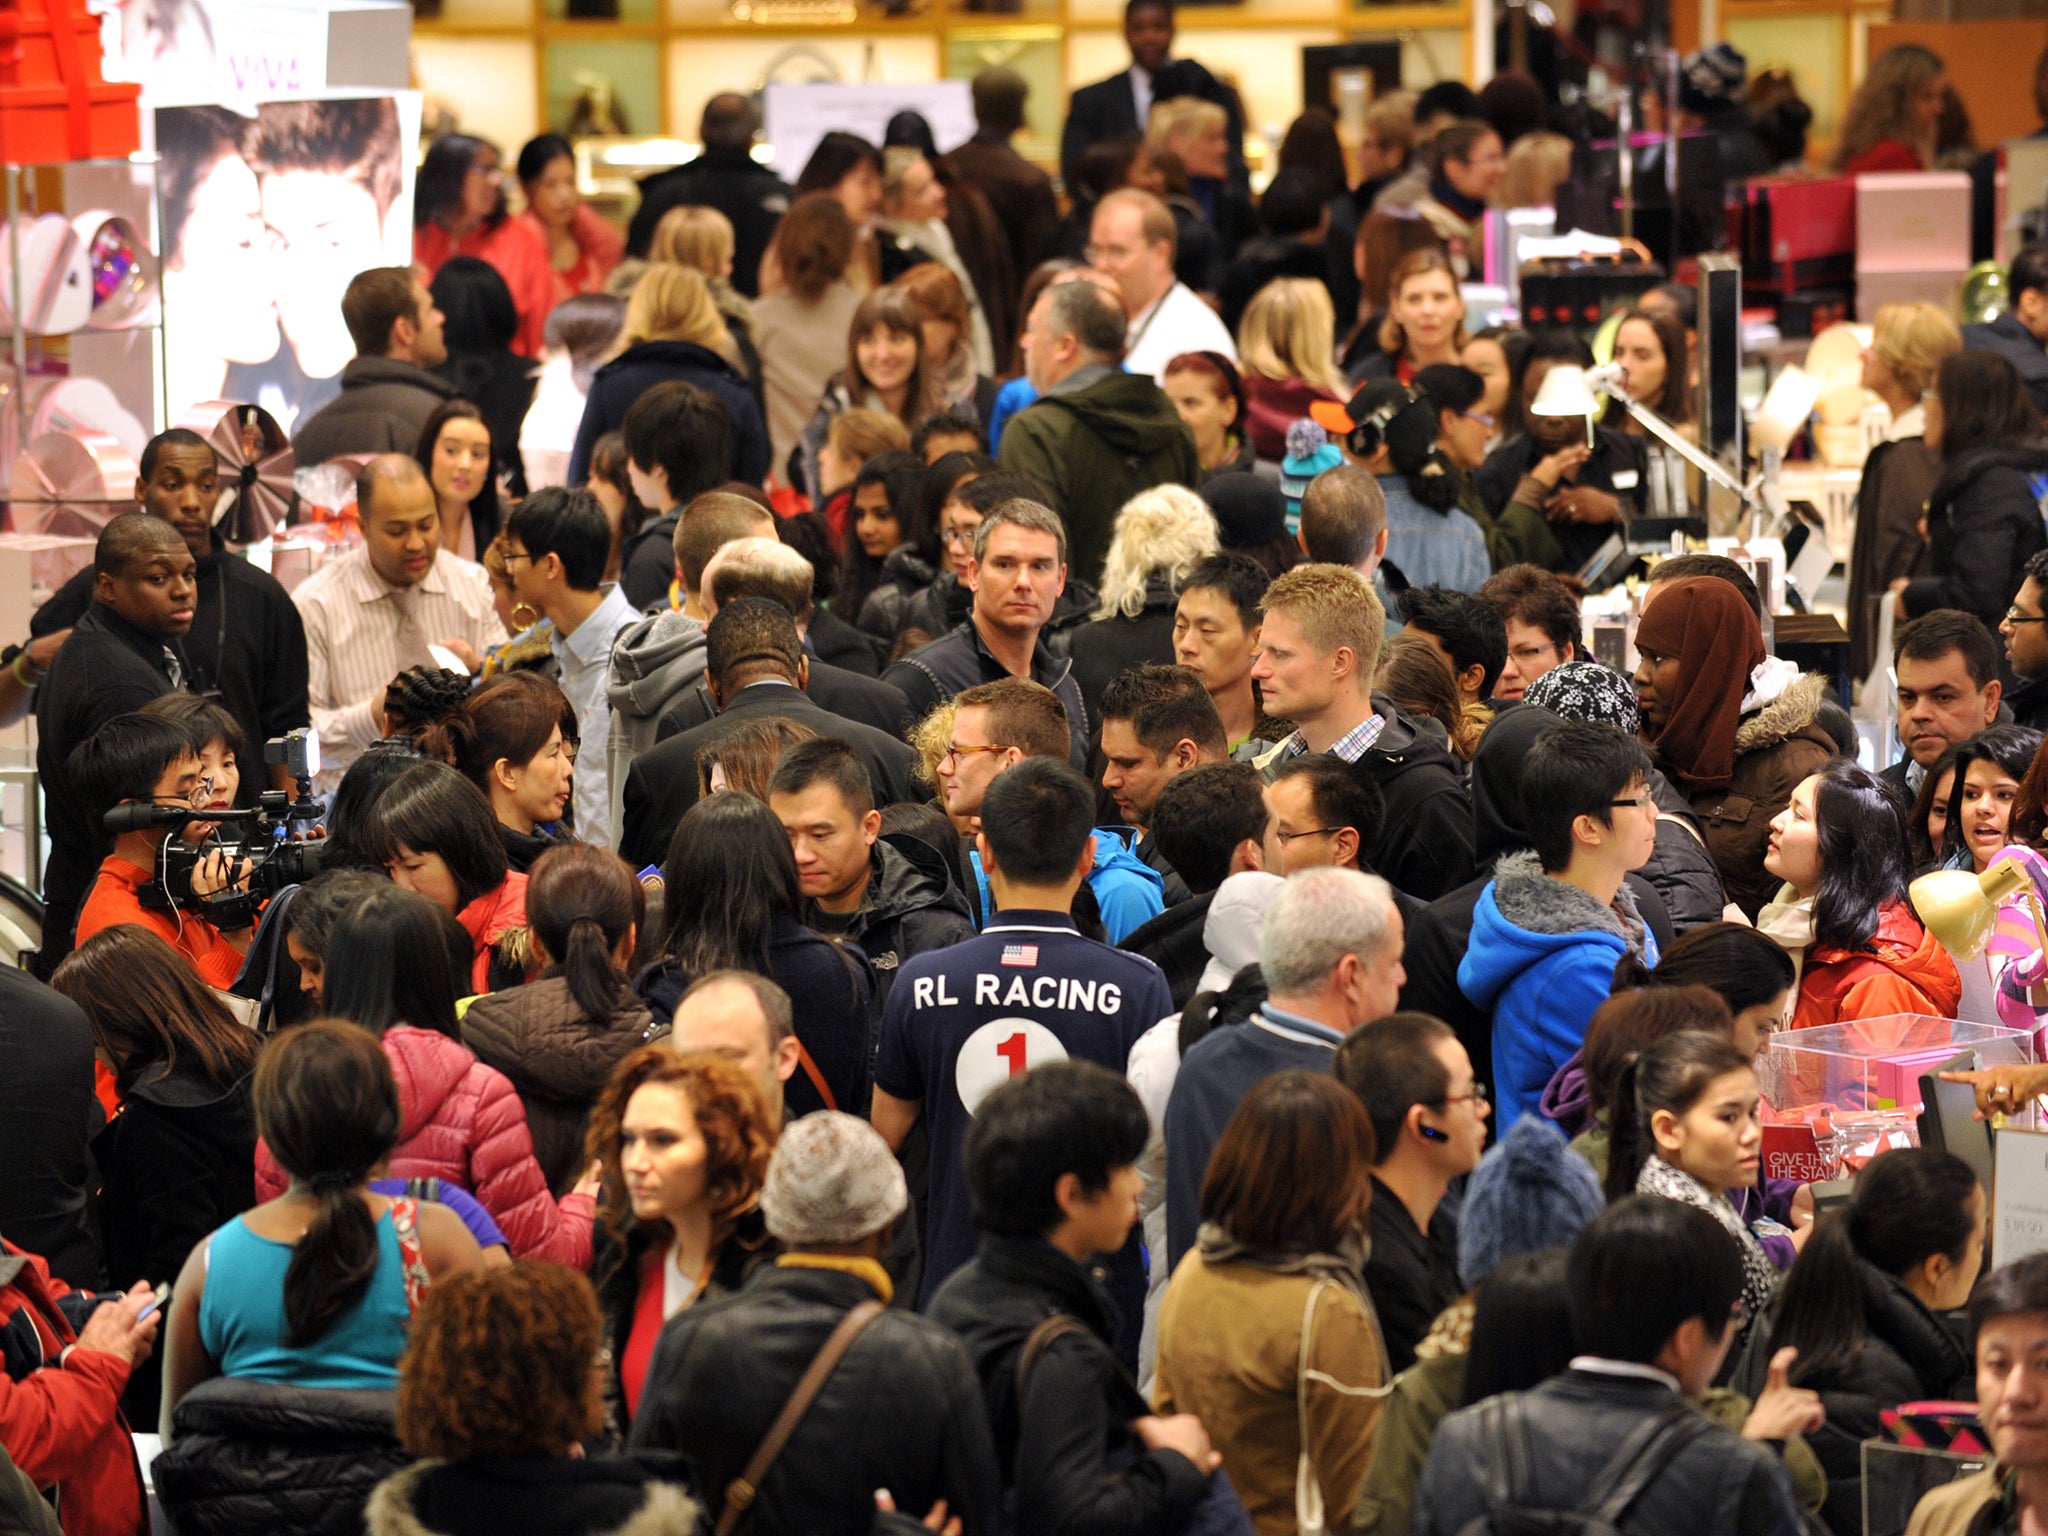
1565	392
1785	410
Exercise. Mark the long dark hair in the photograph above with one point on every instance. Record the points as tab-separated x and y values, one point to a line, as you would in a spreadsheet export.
1521	1326
1983	403
1863	866
432	808
2013	749
149	1010
437	188
581	903
838	155
2026	809
327	1105
486	514
901	476
397	959
946	475
1909	1205
728	875
1292	1170
1669	1075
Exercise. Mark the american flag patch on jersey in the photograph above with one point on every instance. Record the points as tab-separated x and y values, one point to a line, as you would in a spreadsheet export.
1020	954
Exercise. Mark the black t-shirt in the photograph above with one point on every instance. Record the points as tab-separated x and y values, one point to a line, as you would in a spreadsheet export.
1412	1275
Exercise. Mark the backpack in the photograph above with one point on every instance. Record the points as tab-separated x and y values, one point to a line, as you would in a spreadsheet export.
1505	1452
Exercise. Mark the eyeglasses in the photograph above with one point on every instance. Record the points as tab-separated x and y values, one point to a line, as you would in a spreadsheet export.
1286	838
1522	653
2014	616
1641	802
1478	1095
509	555
955	750
1485	419
956	538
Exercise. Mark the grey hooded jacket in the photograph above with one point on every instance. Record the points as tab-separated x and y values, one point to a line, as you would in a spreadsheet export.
655	661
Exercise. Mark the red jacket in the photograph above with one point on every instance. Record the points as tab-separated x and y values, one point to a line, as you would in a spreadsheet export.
489	917
463	1122
1908	972
60	1419
1271	407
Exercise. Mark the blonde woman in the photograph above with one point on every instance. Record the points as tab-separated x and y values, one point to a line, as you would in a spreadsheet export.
673	333
1537	164
1159	536
1892	118
1188	138
1425	319
914	211
703	239
1286	355
1907	344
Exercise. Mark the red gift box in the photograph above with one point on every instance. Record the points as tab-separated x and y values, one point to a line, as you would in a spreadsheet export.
54	103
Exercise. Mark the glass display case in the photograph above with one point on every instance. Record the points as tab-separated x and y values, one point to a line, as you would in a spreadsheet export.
1837	1095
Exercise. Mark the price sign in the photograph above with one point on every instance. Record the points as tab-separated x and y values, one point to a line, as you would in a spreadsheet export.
1002	1049
2019	1196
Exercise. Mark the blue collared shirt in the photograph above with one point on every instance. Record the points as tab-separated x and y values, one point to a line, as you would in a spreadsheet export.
586	662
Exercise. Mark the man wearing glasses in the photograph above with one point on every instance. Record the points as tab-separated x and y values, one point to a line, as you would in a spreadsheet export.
1551	924
2025	628
1429	1126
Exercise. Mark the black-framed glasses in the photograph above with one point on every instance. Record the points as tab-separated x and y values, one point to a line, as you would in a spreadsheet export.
1641	802
1287	838
509	555
2014	616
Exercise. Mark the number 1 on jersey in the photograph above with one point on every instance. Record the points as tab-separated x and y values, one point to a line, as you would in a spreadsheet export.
1012	1050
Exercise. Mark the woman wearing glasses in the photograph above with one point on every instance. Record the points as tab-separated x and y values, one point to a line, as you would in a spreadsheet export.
1984	516
514	739
1840	848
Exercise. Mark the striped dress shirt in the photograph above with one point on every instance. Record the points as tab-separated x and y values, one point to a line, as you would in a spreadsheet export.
352	642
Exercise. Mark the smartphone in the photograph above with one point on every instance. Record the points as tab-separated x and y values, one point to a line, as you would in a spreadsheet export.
163	1294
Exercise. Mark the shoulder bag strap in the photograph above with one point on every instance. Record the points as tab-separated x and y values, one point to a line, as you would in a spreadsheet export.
739	1493
1041	1336
1308	1493
1648	1450
413	1264
803	1059
1499	1444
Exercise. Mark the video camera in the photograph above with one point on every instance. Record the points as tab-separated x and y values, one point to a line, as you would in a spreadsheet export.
264	844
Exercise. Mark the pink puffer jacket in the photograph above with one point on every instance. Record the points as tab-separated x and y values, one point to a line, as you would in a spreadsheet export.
462	1121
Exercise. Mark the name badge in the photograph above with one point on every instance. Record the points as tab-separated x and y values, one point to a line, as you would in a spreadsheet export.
1626	479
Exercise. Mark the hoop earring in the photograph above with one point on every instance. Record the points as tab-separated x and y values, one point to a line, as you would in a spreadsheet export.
532	616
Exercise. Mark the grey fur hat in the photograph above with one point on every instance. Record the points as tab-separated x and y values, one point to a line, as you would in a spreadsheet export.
1531	1192
832	1180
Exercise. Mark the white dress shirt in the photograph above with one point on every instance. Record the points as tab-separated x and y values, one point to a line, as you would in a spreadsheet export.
352	642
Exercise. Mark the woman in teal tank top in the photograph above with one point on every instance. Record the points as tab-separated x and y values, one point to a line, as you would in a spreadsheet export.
317	1287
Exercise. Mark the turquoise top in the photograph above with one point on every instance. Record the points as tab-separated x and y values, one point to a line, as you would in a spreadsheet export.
242	1323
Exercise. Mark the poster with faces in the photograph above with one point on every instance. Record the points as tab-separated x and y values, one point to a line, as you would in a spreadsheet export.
268	211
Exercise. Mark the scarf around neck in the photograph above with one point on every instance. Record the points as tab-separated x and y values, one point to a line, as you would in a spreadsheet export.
1759	1275
1345	1267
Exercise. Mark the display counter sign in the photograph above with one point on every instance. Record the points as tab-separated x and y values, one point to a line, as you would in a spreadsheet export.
2019	1196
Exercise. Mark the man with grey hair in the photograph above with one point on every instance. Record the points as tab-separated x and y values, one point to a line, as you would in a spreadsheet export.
902	1412
766	567
1096	436
1017	571
1331	958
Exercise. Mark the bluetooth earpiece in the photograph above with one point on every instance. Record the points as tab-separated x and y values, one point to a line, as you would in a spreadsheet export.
1431	1133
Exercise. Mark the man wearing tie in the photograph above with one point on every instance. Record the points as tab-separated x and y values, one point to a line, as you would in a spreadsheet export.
1120	106
373	613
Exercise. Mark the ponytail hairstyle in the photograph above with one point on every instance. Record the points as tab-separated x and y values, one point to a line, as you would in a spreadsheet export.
327	1104
1909	1205
1403	420
1861	828
581	903
1630	1022
1669	1075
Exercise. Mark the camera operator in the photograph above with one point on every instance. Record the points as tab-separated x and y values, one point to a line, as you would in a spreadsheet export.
148	759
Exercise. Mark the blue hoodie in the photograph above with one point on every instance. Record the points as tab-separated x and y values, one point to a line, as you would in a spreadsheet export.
1541	958
1128	891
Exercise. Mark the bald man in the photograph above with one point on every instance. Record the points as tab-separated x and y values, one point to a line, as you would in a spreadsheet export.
748	1020
376	611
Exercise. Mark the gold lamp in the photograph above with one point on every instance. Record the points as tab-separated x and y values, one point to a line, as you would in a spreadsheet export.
1960	909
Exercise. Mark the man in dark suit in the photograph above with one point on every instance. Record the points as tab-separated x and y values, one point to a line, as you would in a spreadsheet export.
1118	107
756	666
1019	192
2021	332
762	567
724	177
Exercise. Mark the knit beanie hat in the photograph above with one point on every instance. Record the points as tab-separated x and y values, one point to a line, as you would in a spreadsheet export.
1586	690
1309	453
1250	511
1531	1192
1711	80
832	1180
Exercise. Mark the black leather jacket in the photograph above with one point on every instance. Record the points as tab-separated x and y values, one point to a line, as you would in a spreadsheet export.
901	1411
1077	1467
1717	1485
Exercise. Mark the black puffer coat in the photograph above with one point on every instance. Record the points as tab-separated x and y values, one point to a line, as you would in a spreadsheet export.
1681	869
1983	523
287	1461
905	578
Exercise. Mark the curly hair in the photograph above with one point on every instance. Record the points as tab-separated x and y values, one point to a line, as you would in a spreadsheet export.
419	696
1163	531
502	1363
931	739
731	1116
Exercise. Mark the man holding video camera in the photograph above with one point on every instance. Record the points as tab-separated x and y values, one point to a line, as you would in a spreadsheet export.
149	763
